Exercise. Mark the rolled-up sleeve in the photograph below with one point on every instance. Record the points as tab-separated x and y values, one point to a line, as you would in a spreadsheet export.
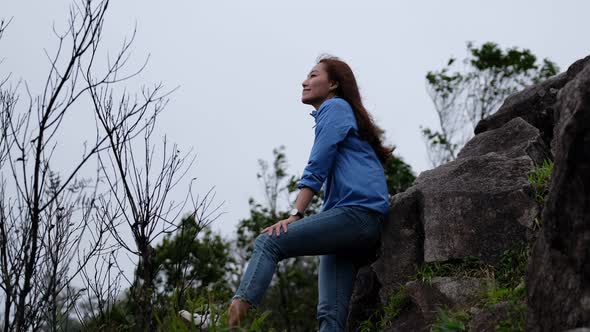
334	121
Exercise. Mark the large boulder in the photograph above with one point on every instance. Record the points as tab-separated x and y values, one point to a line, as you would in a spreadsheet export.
476	207
535	104
426	299
482	203
558	277
479	205
401	243
514	139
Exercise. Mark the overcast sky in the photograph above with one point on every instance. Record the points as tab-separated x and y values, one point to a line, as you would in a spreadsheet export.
240	64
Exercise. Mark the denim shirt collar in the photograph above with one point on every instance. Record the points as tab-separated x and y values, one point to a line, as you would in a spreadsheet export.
315	113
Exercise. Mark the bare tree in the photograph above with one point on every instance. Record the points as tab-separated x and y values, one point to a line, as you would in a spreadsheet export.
102	285
54	226
464	97
46	238
140	181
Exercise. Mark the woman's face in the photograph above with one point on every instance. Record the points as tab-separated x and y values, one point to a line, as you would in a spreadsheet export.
317	87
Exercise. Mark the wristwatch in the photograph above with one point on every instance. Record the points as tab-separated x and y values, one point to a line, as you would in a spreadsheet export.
296	212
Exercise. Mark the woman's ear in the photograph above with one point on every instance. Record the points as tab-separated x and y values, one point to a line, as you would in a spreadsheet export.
333	86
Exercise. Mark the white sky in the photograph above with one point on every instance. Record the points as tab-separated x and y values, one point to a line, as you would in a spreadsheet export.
240	64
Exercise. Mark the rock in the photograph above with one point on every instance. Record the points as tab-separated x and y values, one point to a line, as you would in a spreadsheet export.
445	292
427	299
401	243
482	203
478	207
570	98
410	320
421	310
535	104
461	292
558	276
514	139
365	298
486	320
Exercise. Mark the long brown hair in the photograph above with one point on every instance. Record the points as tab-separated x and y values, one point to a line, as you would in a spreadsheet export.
348	90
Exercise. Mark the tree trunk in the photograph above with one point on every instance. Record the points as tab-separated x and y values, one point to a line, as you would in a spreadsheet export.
145	290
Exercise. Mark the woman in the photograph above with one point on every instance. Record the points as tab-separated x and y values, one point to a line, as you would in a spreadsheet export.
347	158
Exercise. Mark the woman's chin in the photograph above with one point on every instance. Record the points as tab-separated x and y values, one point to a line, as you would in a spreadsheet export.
307	101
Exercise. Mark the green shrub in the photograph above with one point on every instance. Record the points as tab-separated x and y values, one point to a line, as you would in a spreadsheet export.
512	295
213	313
540	178
369	325
515	320
381	318
451	321
512	266
395	305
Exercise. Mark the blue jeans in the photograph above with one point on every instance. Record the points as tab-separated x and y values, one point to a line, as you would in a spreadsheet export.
340	235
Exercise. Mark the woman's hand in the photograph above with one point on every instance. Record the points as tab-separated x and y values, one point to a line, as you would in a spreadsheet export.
282	224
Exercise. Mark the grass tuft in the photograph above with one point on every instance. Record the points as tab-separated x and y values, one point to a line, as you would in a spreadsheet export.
451	321
540	178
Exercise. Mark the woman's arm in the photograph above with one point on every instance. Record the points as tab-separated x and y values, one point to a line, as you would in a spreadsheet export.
303	199
333	124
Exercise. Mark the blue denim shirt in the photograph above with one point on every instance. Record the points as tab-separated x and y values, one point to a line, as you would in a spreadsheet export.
347	164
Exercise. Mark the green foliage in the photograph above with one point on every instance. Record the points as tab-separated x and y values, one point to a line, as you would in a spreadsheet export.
369	325
292	296
210	316
397	302
514	298
194	267
467	267
115	319
511	288
508	286
398	174
464	96
516	319
256	321
194	261
540	179
511	269
513	295
508	272
451	321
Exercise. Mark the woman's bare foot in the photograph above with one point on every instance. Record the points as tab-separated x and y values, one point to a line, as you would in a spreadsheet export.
237	312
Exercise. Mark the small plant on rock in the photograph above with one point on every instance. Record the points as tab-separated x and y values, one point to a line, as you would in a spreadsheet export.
396	304
394	307
451	321
540	178
467	267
